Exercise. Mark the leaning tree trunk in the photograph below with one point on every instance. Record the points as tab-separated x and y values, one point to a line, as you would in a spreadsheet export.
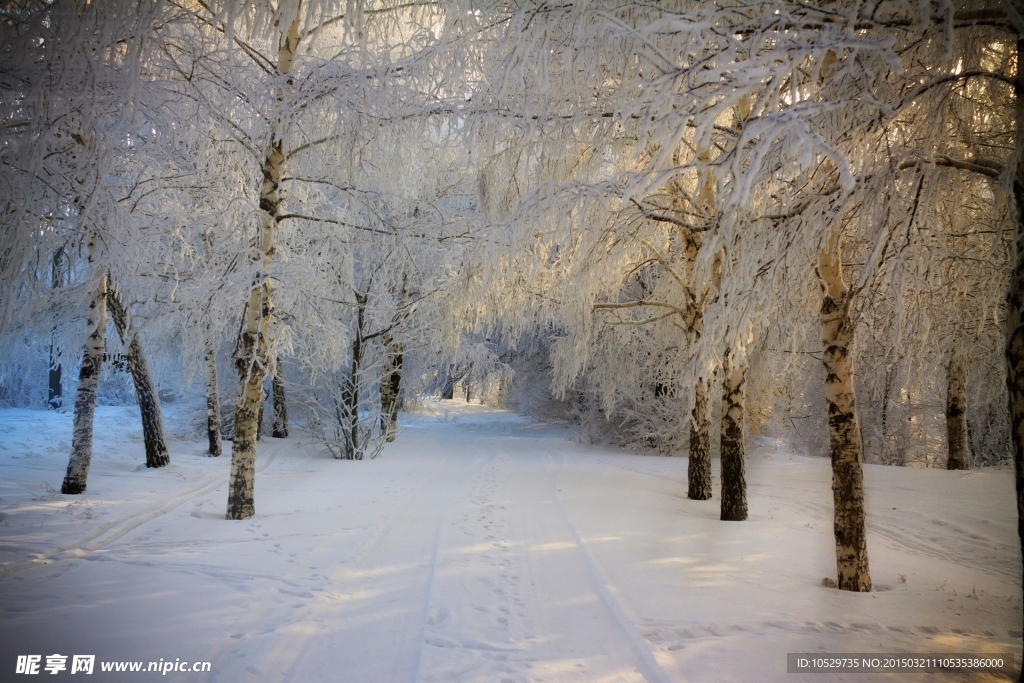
145	387
280	429
844	430
390	385
956	415
734	479
88	380
698	469
212	398
255	350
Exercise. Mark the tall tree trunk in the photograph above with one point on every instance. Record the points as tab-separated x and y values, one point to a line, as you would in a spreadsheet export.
212	398
698	469
352	402
1015	309
145	387
350	393
448	390
390	385
956	414
734	479
212	393
259	419
280	406
254	352
890	380
843	427
88	380
55	393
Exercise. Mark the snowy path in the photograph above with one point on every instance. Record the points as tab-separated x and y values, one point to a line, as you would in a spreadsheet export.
482	547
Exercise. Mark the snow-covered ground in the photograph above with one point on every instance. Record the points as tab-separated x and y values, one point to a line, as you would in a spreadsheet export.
482	547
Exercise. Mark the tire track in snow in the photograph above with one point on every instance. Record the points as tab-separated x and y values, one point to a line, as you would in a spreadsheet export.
289	650
439	538
103	535
647	664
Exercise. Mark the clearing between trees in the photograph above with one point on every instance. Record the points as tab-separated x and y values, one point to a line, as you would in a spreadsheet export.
482	546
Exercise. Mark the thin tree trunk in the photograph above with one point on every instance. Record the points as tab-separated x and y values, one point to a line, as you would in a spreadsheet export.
350	393
88	380
212	398
956	415
255	350
280	406
844	430
55	397
145	387
55	391
352	401
698	470
448	390
890	379
259	420
390	385
212	393
734	480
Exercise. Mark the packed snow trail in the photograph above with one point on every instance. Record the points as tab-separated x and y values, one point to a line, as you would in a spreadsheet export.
483	547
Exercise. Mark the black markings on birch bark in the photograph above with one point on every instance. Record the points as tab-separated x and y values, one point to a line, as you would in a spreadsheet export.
698	469
734	479
88	380
844	430
956	414
145	387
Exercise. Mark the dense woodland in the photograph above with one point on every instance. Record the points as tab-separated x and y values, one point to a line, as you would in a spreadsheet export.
678	224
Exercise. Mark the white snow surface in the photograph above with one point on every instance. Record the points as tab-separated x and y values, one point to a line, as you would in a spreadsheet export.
482	546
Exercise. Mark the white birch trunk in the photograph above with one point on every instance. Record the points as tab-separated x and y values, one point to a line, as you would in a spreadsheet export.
734	478
698	469
145	387
212	398
254	352
844	429
88	381
212	394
